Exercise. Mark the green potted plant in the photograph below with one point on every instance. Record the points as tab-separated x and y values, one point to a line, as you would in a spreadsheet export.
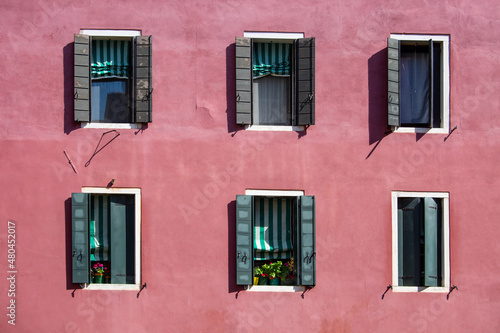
287	277
257	274
98	272
275	272
264	276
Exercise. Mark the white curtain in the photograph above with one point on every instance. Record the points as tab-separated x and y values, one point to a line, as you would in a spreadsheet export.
271	100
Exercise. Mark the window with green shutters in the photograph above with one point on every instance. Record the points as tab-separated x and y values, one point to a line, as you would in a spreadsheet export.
106	238
113	79
418	83
275	227
420	241
275	83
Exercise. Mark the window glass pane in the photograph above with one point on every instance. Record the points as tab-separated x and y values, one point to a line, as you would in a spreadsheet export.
271	101
415	85
109	101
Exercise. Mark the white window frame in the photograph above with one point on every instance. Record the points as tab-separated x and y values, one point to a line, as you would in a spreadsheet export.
445	196
274	193
445	83
137	207
286	37
111	33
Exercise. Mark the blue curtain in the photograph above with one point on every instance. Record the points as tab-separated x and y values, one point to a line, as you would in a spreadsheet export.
110	101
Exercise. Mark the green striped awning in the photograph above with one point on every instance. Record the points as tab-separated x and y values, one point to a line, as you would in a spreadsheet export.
271	59
99	228
110	58
273	228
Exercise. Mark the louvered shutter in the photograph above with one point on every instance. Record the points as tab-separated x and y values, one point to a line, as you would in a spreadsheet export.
393	54
80	237
431	75
82	78
431	243
243	80
410	251
122	239
244	240
304	81
143	84
307	256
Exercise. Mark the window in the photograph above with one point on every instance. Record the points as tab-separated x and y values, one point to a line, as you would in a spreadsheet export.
275	226
275	80
420	241
106	225
112	77
419	83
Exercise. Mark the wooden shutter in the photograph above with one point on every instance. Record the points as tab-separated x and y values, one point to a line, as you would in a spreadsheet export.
82	78
143	84
244	240
243	80
431	88
307	250
431	243
304	81
80	237
393	53
122	239
410	251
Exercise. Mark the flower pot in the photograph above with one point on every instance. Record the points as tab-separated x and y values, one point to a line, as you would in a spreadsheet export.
263	280
98	278
288	282
274	282
255	280
107	278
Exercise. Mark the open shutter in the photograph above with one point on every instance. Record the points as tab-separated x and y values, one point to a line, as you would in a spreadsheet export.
80	237
122	239
244	240
410	251
393	53
431	243
307	256
431	75
304	86
243	81
143	84
82	78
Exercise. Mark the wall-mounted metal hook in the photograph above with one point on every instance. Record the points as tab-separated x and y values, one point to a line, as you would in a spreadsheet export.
385	292
454	128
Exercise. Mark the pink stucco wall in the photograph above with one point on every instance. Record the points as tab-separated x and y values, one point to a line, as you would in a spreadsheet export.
190	164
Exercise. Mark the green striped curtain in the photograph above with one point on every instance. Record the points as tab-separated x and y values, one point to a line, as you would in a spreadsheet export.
110	58
271	59
273	228
99	228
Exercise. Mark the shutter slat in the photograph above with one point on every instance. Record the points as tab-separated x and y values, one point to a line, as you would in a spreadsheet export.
307	256
143	79
243	81
304	81
244	240
431	243
80	237
82	77
393	55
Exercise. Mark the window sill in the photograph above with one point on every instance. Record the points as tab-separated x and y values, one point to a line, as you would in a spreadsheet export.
275	128
112	125
290	289
421	289
105	286
421	130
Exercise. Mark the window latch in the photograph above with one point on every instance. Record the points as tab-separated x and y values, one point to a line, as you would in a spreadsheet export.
238	97
308	259
76	94
310	96
148	95
79	257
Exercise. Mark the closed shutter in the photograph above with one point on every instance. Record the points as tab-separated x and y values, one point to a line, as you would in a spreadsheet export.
393	54
431	75
431	243
143	85
411	210
244	240
82	78
304	81
80	237
307	255
243	81
122	239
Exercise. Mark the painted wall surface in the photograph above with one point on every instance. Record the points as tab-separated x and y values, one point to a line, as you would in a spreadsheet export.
192	161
